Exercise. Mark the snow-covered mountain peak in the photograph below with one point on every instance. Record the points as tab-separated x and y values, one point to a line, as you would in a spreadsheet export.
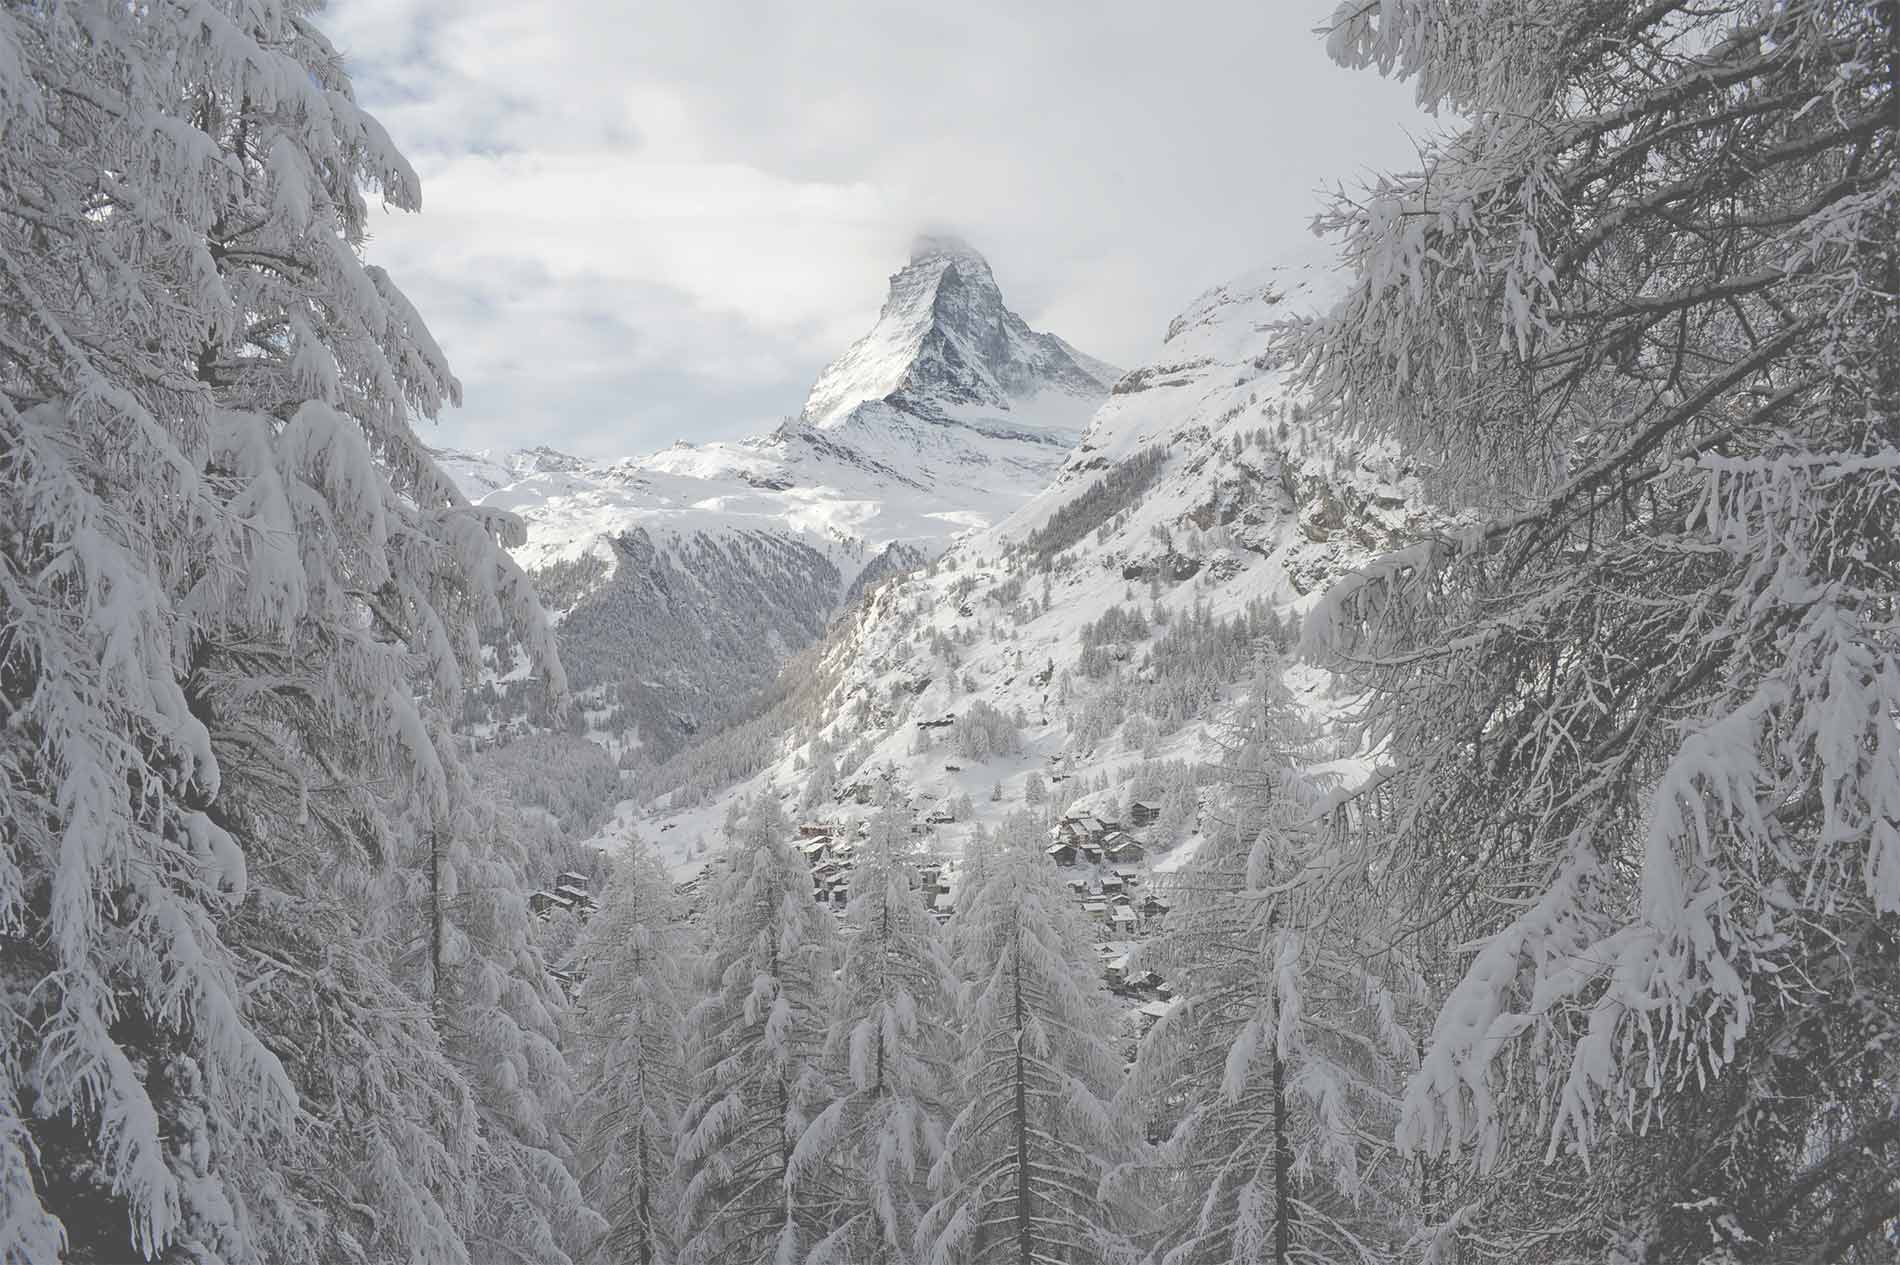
946	342
929	246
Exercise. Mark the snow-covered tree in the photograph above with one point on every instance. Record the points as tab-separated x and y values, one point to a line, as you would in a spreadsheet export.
635	955
1274	1080
822	777
754	1046
984	730
1637	309
1019	1177
239	599
867	1155
498	1012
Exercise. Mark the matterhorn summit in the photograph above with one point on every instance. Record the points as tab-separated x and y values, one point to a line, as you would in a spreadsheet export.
946	342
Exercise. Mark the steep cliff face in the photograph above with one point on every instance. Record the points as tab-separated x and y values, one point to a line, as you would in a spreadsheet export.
946	343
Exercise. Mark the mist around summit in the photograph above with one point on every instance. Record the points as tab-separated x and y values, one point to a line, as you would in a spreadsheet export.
1405	772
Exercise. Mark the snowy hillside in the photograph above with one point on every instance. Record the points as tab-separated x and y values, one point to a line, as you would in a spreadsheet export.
1090	639
673	572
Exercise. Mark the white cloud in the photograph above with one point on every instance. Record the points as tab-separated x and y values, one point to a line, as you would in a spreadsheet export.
645	222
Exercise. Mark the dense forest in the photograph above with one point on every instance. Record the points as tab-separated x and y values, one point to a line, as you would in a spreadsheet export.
1600	963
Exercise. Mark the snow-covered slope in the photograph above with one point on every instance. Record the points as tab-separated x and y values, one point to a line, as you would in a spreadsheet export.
1109	620
946	418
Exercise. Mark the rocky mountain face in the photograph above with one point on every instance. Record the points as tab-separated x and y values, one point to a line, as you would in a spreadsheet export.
1079	655
673	570
945	344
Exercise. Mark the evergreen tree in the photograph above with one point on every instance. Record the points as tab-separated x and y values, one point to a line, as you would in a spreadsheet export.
239	597
635	956
822	777
1276	1075
1637	310
498	1011
1025	1155
754	1043
1034	792
889	1053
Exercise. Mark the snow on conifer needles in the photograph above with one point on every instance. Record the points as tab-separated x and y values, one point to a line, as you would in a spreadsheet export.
240	604
1569	933
1642	724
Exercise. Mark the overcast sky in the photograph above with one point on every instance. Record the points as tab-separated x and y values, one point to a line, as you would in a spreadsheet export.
653	221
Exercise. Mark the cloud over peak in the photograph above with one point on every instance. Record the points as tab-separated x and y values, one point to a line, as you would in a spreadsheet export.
652	222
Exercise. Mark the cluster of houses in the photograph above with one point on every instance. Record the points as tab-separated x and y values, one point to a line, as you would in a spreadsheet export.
1109	890
1148	995
832	859
569	893
935	884
1112	900
1109	895
1090	838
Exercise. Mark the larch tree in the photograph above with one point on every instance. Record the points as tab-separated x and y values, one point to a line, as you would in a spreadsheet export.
1637	312
239	598
867	1155
634	959
1274	1080
1019	1180
498	1012
754	1043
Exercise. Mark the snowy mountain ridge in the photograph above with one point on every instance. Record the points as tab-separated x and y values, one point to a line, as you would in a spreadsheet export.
950	413
945	419
1085	647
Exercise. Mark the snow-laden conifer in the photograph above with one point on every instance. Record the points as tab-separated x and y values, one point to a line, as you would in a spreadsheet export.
635	957
1025	1155
1637	310
232	576
1272	1085
866	1157
498	1012
754	1043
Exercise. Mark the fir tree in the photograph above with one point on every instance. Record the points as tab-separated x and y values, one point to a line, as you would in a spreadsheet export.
498	1011
1636	313
754	1043
240	599
1275	1077
889	1053
1025	1155
635	956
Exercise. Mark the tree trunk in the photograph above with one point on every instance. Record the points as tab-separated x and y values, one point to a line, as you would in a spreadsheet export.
1282	1165
1025	1254
438	928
